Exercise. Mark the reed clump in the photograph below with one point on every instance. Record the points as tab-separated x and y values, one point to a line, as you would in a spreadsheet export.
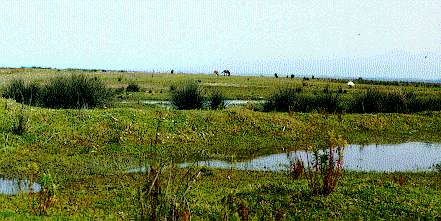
74	91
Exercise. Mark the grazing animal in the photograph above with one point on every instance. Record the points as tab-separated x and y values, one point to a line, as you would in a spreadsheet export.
172	71
215	72
226	72
276	76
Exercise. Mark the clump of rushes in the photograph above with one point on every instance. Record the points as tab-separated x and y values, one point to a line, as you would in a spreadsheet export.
283	100
75	91
217	100
189	96
133	87
22	92
20	123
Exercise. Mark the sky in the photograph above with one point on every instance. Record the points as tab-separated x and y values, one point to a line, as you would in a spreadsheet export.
349	38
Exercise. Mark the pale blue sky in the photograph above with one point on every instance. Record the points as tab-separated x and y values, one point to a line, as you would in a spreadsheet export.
248	37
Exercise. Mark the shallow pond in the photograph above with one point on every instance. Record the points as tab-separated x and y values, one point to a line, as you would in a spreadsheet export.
403	157
228	103
14	186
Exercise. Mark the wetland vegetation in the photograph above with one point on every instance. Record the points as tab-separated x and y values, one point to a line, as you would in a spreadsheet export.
77	133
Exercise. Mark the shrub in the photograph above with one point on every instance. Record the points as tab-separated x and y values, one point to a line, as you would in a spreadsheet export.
75	91
133	87
217	100
189	96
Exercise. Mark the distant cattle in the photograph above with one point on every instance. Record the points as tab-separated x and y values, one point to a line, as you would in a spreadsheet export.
215	72
226	72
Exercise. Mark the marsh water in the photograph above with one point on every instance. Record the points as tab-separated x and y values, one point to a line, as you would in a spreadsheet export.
228	103
14	186
404	157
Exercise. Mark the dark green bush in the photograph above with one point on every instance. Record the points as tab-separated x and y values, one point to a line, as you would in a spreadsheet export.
217	100
188	96
133	87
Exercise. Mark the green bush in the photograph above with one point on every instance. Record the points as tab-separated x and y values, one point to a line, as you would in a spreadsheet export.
189	96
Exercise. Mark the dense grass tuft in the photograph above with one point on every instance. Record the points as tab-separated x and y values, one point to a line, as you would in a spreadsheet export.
22	92
295	100
217	100
189	96
75	91
369	101
133	87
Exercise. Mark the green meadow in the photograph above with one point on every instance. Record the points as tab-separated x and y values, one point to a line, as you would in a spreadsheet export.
82	156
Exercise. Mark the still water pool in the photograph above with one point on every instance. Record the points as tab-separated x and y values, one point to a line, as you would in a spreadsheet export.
14	186
404	157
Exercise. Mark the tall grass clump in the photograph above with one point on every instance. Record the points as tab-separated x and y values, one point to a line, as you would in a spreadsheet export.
20	123
283	100
290	99
217	100
26	93
133	87
75	91
325	168
375	101
79	92
189	96
165	192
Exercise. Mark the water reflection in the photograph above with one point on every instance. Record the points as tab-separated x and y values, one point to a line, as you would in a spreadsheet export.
14	186
403	157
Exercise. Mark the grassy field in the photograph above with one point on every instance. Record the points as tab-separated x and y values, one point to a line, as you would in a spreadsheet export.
156	86
89	151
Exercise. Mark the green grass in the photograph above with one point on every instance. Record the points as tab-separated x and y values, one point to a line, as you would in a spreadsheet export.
359	195
233	87
88	152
